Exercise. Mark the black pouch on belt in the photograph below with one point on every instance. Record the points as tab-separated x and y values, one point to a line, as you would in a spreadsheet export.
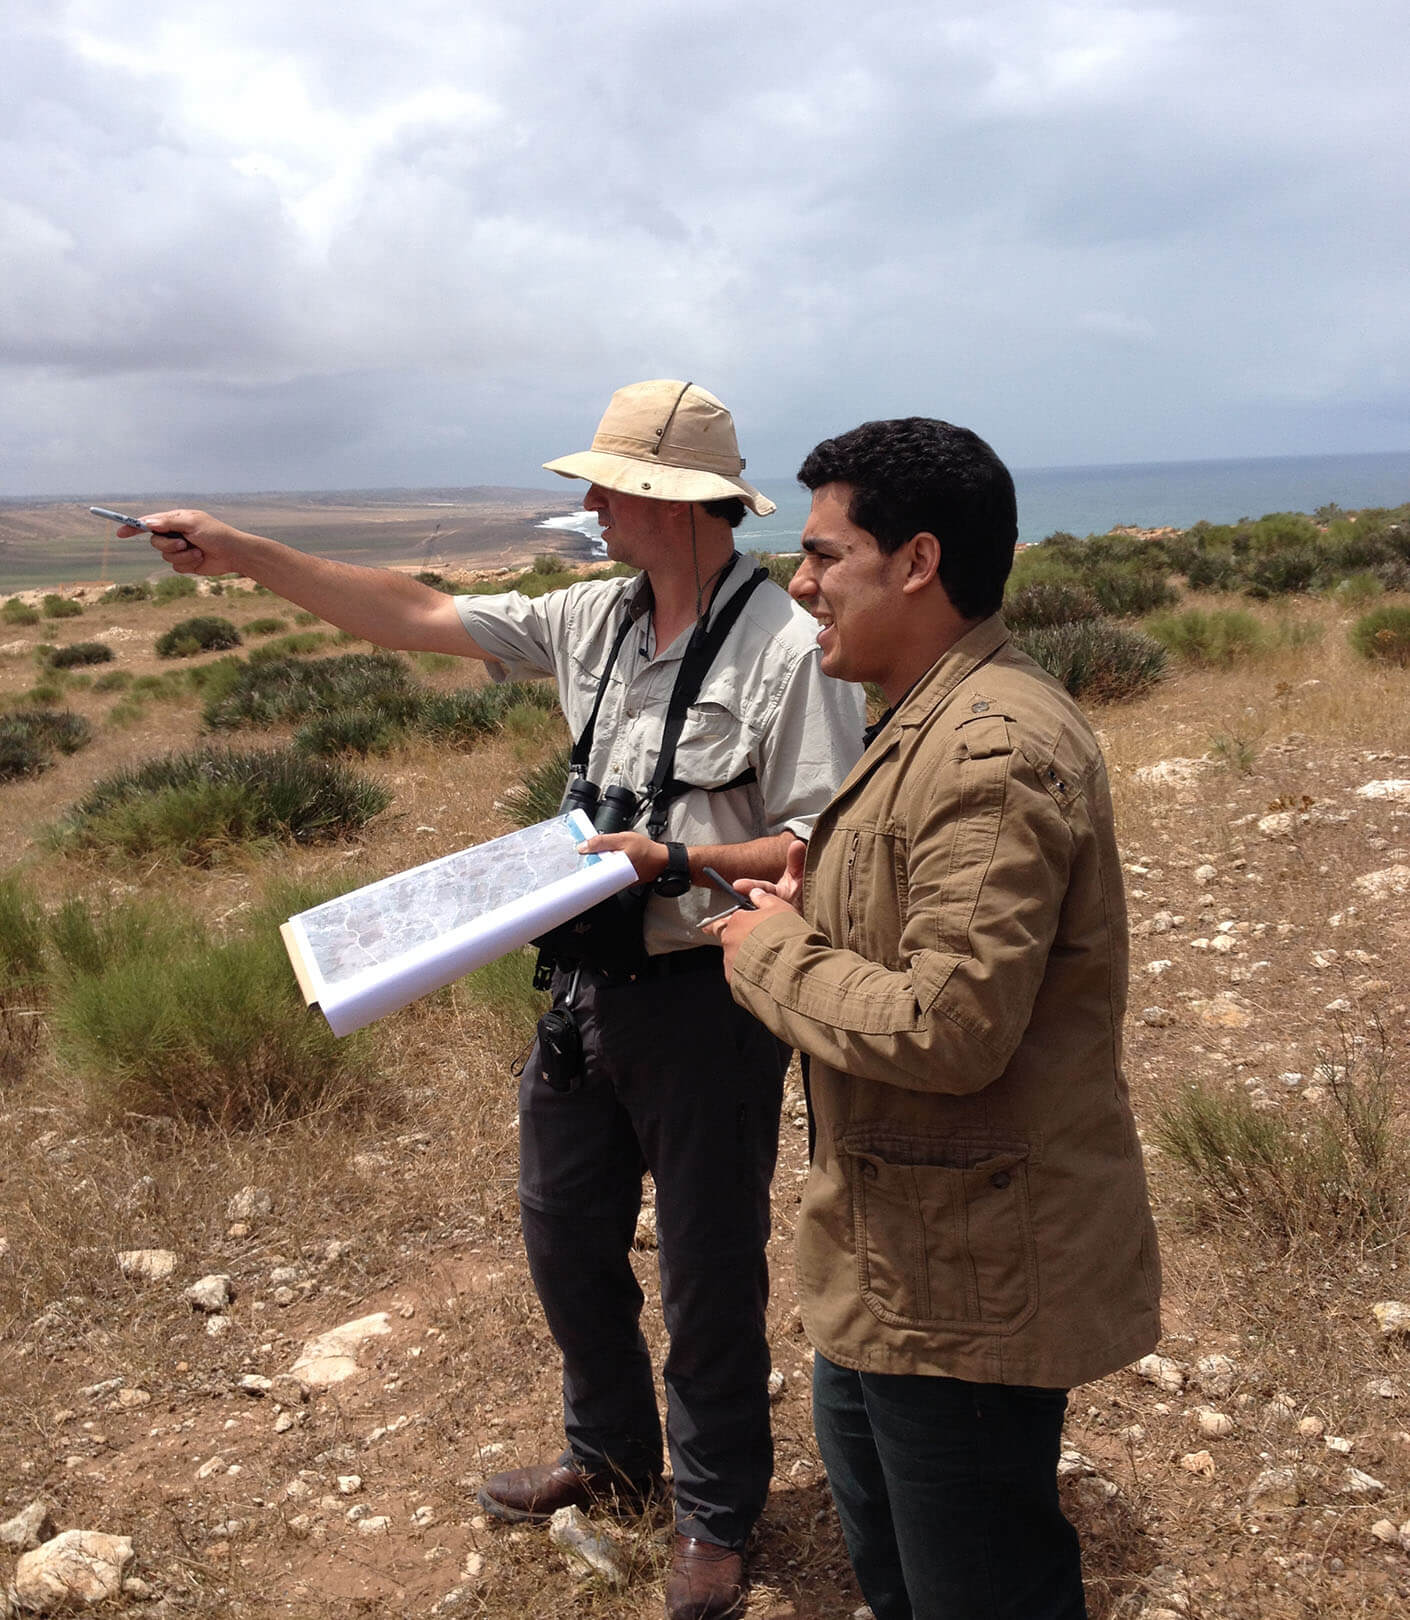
560	1050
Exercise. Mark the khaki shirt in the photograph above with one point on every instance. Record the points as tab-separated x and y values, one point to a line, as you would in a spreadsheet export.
976	1205
765	704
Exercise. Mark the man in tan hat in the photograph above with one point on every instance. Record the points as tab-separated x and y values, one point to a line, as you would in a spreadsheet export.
660	1070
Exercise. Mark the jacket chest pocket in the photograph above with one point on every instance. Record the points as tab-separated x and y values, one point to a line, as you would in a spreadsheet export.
943	1231
873	892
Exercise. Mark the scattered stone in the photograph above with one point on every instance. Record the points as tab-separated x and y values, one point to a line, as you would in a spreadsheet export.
1390	880
1205	875
1198	1462
249	1204
349	1484
375	1525
423	1518
1163	1372
1395	788
211	1294
1334	1442
146	1265
1158	1017
75	1568
1283	1407
1385	1389
1281	824
30	1527
1215	1424
288	1389
1357	1483
1277	1488
777	1383
284	1422
1215	1374
1310	1427
130	1399
255	1384
218	1326
1384	1530
1169	773
1222	1012
1392	1317
584	1548
645	1235
300	1526
284	1297
212	1465
1156	968
332	1357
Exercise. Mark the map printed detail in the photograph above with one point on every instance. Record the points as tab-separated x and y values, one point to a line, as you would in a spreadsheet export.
372	951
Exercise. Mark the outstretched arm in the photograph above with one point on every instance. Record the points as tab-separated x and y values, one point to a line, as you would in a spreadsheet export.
375	604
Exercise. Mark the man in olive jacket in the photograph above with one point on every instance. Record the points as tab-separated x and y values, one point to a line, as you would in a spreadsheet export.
975	1236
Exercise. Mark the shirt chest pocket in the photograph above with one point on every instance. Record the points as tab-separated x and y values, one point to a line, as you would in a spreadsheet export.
715	748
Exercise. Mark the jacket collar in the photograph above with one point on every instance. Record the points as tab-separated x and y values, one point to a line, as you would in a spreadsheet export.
977	646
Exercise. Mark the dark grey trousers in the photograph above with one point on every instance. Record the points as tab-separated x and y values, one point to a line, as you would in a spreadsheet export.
678	1080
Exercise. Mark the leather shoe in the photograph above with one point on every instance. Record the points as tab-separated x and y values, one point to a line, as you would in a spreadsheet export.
527	1494
706	1581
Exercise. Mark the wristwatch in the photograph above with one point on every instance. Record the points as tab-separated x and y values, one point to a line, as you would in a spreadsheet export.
675	880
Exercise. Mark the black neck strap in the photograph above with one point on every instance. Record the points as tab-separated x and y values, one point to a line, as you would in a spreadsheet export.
705	642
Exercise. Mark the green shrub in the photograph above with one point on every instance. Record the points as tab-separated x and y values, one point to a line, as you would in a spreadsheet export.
1129	592
192	806
1096	659
15	611
539	793
269	626
179	1026
202	634
297	644
30	738
287	689
1383	635
1218	638
1358	590
782	566
349	731
23	952
547	563
304	617
60	607
172	587
1339	1174
1046	602
1213	571
140	591
112	680
80	652
1282	573
437	582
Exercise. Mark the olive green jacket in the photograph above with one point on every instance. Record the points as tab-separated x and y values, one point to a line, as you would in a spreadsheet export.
976	1205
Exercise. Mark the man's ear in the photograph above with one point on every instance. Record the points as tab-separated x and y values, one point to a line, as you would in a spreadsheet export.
924	561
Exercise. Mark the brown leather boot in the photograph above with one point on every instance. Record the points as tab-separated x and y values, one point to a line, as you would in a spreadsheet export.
706	1581
536	1493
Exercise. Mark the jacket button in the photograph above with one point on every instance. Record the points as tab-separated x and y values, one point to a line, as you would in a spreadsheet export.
1000	1179
868	1169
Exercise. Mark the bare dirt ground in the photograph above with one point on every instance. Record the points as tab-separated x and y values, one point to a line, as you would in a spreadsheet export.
121	1408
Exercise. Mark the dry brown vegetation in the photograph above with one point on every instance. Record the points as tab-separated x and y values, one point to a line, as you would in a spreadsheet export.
404	1202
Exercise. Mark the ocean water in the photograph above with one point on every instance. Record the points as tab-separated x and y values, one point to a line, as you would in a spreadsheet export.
1092	500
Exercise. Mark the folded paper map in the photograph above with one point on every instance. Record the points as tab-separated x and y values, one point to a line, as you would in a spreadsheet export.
378	948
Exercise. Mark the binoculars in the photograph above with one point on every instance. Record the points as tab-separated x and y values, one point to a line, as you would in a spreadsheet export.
610	812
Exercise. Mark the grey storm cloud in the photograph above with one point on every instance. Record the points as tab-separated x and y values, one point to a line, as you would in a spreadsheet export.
353	244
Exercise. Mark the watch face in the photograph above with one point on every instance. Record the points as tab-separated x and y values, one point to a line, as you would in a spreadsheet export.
675	880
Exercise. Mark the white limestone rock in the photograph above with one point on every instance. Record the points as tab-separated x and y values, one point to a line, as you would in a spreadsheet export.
31	1527
1162	1372
249	1204
211	1293
1392	1317
331	1358
1277	1488
584	1548
73	1570
1390	880
1215	1375
146	1265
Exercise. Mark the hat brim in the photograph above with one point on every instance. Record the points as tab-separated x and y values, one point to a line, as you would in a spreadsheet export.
657	481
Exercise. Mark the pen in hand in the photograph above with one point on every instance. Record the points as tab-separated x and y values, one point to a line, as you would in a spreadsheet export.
742	902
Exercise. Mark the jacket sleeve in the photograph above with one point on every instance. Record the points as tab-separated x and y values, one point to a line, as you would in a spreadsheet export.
986	862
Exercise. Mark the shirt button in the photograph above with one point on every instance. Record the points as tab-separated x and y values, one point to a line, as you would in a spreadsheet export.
1000	1179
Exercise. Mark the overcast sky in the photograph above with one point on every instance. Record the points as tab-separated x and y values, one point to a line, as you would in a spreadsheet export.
353	244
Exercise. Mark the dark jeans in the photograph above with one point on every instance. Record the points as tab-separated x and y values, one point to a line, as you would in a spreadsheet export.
947	1493
680	1081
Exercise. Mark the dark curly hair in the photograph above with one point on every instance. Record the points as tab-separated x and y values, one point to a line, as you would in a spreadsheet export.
914	475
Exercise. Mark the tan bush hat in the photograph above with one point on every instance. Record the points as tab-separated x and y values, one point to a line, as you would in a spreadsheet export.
669	441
